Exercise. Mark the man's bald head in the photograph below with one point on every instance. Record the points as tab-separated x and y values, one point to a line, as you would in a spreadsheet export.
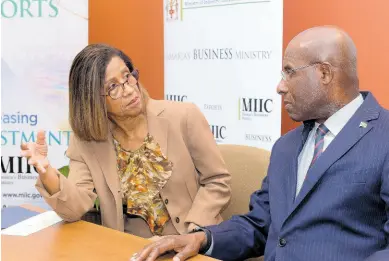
326	44
319	73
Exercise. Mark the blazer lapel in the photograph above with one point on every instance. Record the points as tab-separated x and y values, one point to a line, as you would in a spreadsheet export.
292	179
158	125
343	142
106	158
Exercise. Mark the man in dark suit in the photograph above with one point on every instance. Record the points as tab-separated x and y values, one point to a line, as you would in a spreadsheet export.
326	195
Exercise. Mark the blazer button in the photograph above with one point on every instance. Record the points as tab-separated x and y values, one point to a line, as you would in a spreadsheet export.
166	201
177	220
282	242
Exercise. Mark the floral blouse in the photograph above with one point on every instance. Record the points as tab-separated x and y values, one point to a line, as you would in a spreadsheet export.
143	173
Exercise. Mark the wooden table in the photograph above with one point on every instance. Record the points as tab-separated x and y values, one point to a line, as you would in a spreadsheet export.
81	241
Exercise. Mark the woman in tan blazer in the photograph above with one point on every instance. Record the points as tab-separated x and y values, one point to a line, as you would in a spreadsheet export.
153	164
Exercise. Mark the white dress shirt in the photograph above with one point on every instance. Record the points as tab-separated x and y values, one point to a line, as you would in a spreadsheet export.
335	124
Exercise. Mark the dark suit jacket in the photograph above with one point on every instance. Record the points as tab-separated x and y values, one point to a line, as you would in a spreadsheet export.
341	212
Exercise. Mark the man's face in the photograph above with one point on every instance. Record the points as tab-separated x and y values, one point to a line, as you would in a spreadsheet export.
301	87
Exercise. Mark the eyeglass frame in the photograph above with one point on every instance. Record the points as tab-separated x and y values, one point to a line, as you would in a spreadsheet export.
134	73
294	70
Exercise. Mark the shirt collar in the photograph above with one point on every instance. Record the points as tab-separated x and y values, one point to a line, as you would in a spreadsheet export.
338	120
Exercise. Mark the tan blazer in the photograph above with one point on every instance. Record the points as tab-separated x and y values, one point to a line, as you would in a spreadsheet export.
196	193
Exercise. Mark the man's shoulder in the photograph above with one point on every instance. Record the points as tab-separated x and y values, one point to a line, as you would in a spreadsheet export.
384	116
381	125
291	135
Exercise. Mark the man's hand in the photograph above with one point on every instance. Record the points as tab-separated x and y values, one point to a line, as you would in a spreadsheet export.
186	246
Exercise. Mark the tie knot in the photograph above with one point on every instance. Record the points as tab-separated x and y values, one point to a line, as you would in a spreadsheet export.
322	130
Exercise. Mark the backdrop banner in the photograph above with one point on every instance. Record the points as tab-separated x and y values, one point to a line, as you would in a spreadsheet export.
39	41
225	56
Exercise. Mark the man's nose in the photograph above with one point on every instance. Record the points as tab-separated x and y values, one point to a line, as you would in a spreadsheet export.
282	88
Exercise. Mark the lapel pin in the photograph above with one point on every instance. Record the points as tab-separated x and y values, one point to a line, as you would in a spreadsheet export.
362	124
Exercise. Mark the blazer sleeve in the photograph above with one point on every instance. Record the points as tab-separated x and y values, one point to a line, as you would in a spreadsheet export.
76	196
215	192
383	255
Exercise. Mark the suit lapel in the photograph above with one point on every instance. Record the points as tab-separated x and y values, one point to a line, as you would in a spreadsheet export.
292	179
158	125
343	142
106	158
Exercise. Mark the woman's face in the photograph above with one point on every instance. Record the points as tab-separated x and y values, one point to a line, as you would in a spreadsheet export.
124	98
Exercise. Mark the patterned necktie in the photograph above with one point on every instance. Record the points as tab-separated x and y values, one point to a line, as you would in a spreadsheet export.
321	131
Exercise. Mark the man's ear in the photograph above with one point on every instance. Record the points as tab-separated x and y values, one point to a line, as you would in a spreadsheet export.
326	73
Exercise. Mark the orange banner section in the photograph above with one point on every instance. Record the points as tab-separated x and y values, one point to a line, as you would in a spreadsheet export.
136	27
